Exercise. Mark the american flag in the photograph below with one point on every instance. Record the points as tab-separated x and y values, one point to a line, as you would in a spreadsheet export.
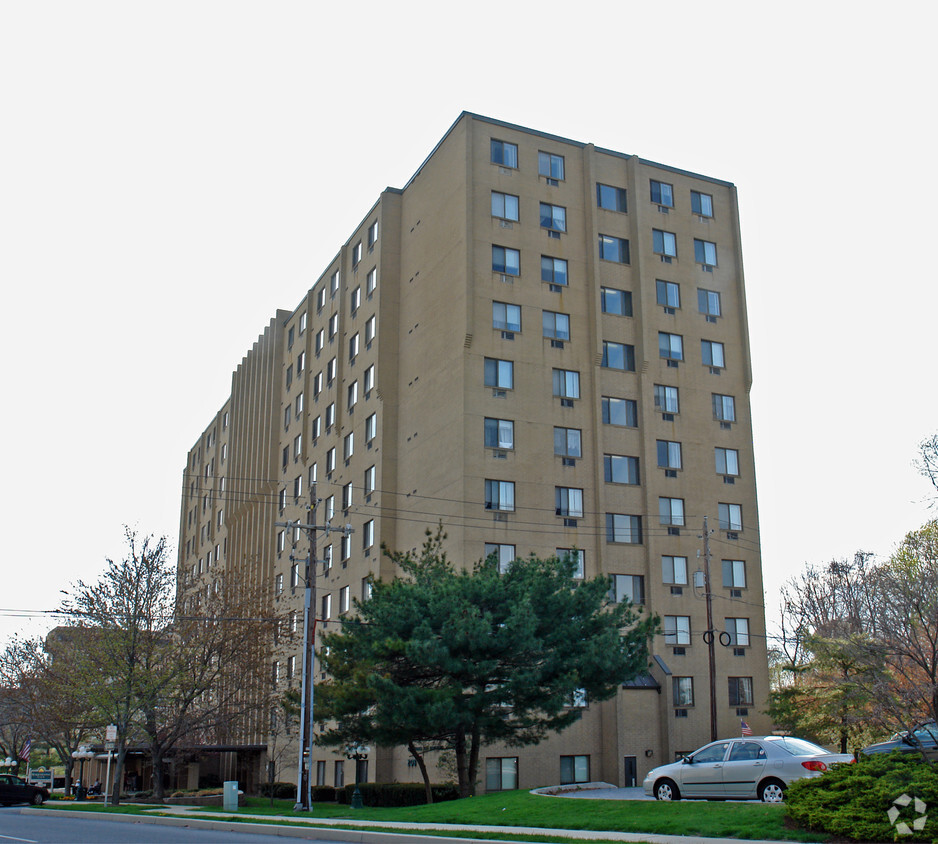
24	753
745	729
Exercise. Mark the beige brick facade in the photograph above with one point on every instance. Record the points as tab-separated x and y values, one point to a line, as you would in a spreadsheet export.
594	301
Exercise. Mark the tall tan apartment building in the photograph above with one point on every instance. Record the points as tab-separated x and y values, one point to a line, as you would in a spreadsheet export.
543	345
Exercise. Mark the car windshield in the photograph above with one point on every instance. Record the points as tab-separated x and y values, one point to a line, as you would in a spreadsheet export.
796	746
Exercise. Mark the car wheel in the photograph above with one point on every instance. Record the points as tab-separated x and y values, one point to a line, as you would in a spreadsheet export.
38	799
666	790
772	791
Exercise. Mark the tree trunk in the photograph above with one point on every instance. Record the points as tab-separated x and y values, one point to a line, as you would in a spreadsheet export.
118	773
462	767
474	759
156	757
423	770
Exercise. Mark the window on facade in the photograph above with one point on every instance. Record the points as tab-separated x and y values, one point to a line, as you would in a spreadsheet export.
369	483
344	599
701	203
317	383
289	375
353	346
683	691
668	294
613	249
368	534
670	346
333	325
740	691
299	405
727	461
506	317
578	556
705	252
619	356
734	574
671	511
628	587
666	399
290	335
550	165
330	415
346	546
568	442
738	628
356	300
371	280
674	570
677	629
566	383
553	217
664	243
500	495
368	381
711	354
568	502
371	427
371	329
330	460
504	153
505	260
708	302
281	535
320	340
623	528
499	433
339	775
504	206
618	302
287	414
278	584
669	454
326	607
297	445
731	516
554	270
501	773
620	469
504	554
556	326
348	445
621	412
357	254
724	408
297	486
294	575
574	769
300	362
662	193
352	394
327	552
611	198
499	374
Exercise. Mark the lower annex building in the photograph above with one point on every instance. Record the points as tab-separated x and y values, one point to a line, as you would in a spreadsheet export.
544	345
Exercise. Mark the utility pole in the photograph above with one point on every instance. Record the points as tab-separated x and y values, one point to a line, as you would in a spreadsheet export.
304	765
709	635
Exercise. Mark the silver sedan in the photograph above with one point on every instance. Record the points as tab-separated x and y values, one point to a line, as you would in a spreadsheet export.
743	768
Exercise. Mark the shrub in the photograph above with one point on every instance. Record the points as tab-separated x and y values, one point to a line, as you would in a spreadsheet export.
852	801
322	794
397	793
281	790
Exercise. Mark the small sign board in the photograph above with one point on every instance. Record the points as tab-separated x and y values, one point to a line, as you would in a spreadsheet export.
110	734
41	776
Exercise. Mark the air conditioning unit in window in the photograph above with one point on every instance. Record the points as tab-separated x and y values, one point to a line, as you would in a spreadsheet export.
568	461
499	394
556	344
712	319
569	523
566	402
742	711
499	517
736	593
556	288
663	209
672	363
552	182
679	651
732	534
667	417
553	233
673	531
739	651
500	455
665	259
504	278
680	713
506	224
677	590
728	479
505	171
714	370
707	268
726	426
669	311
670	473
508	335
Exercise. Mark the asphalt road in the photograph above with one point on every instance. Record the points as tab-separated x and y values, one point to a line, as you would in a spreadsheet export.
18	826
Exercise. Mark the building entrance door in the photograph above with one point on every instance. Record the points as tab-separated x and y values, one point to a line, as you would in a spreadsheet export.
631	772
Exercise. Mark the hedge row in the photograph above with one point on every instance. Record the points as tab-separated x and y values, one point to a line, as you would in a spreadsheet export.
397	793
855	801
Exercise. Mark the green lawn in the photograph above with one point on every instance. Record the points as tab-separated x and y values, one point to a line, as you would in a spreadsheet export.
520	808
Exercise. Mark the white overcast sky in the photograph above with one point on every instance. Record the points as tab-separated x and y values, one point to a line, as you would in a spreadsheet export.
172	172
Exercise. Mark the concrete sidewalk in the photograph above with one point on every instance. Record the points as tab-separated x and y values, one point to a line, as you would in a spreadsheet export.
395	831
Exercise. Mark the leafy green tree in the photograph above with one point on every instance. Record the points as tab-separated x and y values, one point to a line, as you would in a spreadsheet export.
446	658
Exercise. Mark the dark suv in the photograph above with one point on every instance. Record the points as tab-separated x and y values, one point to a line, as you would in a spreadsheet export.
924	736
17	790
